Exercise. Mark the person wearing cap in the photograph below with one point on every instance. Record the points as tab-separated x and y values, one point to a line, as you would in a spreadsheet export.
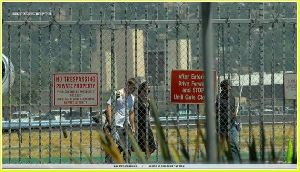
145	136
121	111
227	128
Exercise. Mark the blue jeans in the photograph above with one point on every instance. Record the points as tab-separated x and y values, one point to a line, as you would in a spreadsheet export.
234	143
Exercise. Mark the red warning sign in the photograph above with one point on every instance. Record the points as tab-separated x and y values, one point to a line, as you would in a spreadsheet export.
75	89
187	86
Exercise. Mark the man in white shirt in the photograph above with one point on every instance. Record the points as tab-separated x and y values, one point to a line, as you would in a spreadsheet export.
123	106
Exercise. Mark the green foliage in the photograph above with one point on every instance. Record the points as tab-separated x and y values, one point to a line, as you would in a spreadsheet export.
171	155
110	147
263	141
290	151
252	151
183	147
160	132
140	155
273	156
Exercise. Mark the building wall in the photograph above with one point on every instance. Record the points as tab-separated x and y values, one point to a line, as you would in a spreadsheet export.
183	54
135	60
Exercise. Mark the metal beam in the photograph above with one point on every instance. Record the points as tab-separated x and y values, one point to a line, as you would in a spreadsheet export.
149	22
208	49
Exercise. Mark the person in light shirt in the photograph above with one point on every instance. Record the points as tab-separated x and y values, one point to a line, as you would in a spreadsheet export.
123	106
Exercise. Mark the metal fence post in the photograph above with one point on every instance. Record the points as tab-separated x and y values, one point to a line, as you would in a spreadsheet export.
209	91
261	84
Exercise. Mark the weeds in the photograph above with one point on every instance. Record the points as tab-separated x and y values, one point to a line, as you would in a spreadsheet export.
171	155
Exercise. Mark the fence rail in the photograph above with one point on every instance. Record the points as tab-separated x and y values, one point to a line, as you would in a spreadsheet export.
151	22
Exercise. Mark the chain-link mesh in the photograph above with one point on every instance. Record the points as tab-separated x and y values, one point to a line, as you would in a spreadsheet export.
254	48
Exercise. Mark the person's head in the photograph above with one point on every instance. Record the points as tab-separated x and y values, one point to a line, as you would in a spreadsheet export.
143	89
225	85
131	85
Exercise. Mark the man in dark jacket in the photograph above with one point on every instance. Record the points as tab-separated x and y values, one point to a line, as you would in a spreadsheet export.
227	127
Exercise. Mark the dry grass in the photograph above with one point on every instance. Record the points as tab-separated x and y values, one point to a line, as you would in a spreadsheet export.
244	136
40	145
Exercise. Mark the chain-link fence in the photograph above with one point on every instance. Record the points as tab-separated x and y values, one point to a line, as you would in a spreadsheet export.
254	47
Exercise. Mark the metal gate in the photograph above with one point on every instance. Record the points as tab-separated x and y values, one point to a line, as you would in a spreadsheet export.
254	47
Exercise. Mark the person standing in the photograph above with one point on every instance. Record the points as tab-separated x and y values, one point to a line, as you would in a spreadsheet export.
145	136
227	126
123	107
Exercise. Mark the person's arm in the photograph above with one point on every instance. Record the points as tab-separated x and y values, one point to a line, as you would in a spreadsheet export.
108	114
234	114
217	105
131	119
